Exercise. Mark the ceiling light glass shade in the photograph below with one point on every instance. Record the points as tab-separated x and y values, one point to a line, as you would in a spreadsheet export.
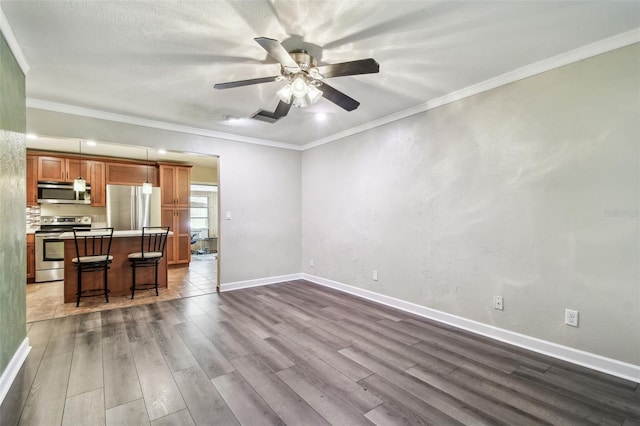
79	184
299	87
147	188
285	93
300	102
313	93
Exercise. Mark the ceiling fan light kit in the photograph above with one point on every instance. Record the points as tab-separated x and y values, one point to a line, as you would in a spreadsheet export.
303	78
303	92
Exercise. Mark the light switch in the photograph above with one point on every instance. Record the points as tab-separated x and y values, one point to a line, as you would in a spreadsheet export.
228	216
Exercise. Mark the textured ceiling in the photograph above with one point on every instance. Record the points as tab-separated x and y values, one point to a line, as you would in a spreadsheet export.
159	59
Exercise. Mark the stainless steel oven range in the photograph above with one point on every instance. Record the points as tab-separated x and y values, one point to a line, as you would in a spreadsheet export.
50	247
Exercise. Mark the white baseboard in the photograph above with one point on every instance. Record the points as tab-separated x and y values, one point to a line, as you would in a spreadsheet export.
575	356
10	373
258	282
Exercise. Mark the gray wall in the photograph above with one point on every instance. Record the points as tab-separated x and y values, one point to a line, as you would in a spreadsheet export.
259	185
12	206
529	191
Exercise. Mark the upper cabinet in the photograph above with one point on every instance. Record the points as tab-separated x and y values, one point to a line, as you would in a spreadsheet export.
52	168
101	171
130	174
97	176
32	180
175	182
59	169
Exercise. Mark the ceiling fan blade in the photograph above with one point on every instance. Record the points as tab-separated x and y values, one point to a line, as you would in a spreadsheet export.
282	109
271	117
240	83
339	98
362	66
279	53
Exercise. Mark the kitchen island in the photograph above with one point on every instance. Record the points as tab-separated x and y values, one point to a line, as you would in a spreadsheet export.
120	278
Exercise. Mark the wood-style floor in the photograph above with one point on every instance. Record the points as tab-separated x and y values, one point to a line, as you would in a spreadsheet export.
297	354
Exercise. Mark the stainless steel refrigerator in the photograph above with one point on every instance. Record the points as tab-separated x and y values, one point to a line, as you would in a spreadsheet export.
128	208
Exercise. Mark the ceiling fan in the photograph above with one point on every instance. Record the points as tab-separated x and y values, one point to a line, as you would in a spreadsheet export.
305	80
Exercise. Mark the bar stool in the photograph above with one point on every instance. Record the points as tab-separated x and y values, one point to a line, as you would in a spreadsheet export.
152	245
92	255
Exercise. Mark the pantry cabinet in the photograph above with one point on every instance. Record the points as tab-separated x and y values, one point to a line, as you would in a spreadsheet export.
175	185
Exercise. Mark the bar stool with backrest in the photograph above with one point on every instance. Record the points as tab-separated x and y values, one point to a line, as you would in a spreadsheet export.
93	248
152	246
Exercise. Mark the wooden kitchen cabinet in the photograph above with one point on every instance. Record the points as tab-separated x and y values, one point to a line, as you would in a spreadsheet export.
97	178
175	185
130	174
52	169
32	180
76	168
58	169
175	182
31	257
179	244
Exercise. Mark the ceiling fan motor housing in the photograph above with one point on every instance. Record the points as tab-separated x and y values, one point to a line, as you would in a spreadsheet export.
303	59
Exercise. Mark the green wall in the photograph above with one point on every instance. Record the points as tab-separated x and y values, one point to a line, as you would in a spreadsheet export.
12	202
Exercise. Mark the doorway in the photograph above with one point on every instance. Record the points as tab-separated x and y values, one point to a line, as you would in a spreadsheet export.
203	221
203	218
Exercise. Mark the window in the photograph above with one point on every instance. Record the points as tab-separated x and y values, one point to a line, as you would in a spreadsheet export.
203	212
199	212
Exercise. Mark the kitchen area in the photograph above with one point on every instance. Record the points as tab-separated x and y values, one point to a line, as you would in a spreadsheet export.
113	196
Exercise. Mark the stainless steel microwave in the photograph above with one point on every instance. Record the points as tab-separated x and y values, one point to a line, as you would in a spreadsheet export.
62	193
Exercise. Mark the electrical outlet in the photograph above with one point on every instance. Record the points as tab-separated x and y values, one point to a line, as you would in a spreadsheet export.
498	303
571	317
375	275
311	263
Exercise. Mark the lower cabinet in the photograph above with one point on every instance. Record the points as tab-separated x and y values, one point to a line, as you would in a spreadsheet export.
31	257
179	244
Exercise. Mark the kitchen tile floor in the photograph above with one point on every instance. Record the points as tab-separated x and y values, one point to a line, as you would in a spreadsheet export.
44	301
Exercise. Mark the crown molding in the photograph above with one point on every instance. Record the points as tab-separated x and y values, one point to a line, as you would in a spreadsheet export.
128	119
572	56
10	37
584	52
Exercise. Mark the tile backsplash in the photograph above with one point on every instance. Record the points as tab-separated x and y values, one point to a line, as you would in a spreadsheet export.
98	214
33	218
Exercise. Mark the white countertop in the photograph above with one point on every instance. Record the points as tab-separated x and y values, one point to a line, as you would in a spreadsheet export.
116	234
